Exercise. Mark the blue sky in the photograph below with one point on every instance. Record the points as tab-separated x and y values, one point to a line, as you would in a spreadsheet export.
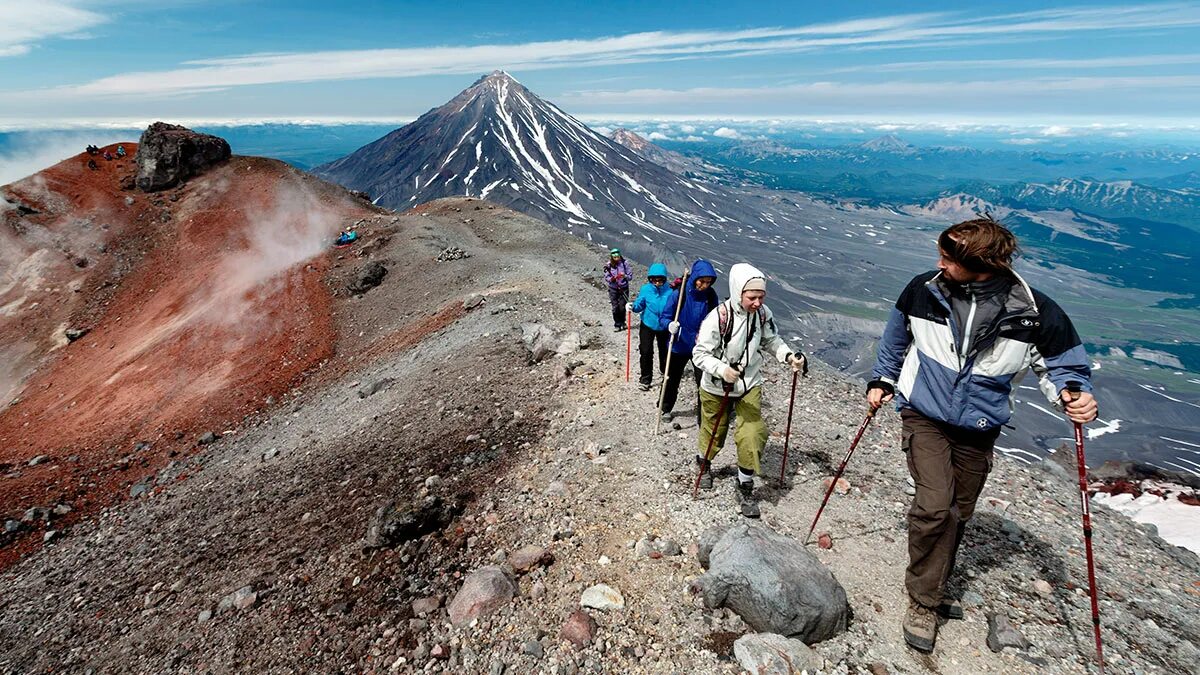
64	61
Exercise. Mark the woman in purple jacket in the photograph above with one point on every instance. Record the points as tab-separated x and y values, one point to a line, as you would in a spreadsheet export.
618	274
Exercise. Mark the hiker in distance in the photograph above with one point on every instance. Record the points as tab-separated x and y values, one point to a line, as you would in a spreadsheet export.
651	299
699	298
617	274
729	350
956	343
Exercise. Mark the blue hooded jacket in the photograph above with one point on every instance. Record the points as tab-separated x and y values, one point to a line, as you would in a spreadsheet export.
696	306
651	299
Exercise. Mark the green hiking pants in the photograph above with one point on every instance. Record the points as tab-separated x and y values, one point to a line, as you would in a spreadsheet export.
751	432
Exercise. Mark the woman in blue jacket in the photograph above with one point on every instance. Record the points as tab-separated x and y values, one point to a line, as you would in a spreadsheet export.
650	302
699	300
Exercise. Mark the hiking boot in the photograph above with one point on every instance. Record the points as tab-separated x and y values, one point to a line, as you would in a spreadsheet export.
747	504
644	386
618	329
920	626
950	609
706	478
666	417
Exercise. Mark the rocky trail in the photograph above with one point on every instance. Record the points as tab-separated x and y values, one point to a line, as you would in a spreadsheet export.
468	484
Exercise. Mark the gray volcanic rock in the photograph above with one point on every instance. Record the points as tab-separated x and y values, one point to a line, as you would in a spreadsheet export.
169	154
771	654
774	583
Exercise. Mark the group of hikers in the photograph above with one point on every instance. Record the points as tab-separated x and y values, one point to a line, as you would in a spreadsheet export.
95	151
957	341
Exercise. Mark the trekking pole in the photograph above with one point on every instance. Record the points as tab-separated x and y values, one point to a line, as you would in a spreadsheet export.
716	425
787	435
662	382
628	339
854	444
1074	388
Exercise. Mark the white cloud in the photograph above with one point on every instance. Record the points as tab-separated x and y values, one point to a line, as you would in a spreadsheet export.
1142	61
27	23
687	128
1023	141
726	132
659	136
1032	94
1057	130
692	139
892	31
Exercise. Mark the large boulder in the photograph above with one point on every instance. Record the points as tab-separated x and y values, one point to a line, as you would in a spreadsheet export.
169	154
773	582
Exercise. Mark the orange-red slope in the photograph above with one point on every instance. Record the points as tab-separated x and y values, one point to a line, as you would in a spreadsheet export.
226	308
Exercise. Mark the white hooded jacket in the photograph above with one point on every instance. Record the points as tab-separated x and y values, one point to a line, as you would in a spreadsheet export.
751	337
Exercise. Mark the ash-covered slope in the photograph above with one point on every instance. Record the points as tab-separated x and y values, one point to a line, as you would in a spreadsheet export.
498	141
265	551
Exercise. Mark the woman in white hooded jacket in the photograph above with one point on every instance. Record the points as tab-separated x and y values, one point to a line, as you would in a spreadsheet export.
729	350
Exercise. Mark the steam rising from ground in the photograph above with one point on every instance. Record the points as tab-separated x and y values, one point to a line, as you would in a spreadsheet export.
296	228
293	228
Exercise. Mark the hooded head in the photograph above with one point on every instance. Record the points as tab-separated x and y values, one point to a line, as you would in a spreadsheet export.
700	268
745	277
658	270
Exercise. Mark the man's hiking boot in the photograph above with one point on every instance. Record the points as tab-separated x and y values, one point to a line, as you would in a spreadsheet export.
950	609
706	479
747	504
644	386
666	417
920	626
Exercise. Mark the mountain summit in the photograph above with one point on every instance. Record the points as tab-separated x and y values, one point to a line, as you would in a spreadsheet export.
889	143
498	141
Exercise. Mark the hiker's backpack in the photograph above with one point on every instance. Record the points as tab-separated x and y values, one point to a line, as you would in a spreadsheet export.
726	326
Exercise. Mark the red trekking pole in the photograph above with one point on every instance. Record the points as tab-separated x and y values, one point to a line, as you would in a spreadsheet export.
628	341
1074	389
854	444
787	435
708	451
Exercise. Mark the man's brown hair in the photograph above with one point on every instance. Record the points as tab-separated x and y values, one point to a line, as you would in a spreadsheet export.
980	245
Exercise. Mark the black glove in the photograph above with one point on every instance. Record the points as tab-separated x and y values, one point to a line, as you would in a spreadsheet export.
887	388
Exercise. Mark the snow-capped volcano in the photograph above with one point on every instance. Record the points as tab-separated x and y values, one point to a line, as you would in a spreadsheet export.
497	140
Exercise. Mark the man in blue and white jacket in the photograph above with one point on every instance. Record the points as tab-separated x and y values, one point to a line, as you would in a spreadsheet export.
955	345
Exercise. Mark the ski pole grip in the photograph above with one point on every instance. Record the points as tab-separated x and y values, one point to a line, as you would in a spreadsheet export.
1075	387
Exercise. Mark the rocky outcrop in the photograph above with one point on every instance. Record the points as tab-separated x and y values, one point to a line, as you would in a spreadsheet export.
169	154
771	581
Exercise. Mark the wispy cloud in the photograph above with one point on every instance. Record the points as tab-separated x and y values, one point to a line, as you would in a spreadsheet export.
893	31
25	24
1142	61
812	94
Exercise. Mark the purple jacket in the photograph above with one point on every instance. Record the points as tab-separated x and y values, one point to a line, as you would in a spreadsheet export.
611	272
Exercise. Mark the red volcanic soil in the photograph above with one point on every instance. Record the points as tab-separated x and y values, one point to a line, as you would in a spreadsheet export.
202	302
